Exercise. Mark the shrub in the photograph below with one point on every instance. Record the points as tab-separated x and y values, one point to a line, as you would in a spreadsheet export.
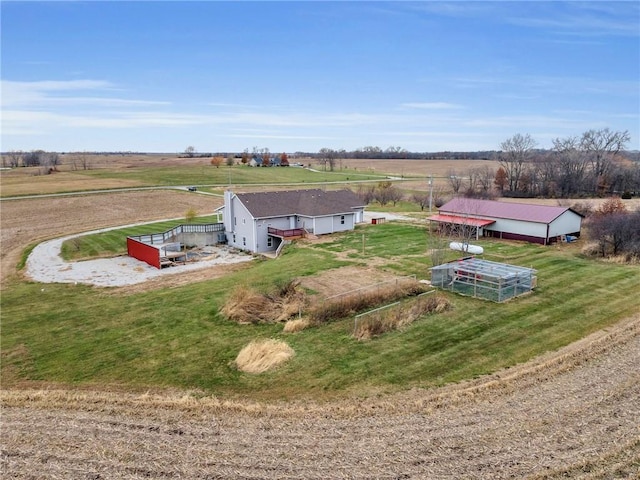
262	355
190	215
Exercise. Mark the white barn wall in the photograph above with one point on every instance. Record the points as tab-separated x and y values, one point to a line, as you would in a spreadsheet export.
567	223
519	227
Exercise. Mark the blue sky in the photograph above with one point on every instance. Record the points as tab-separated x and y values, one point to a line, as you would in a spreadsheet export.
300	76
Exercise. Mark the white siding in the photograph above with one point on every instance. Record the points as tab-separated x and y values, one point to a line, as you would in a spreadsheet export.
568	222
242	226
519	227
262	229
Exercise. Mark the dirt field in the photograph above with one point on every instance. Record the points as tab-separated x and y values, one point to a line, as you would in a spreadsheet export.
572	413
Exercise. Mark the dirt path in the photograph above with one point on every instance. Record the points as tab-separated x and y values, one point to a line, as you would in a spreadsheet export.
572	413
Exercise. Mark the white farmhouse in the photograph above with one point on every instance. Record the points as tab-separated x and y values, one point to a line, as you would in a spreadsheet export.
260	222
516	221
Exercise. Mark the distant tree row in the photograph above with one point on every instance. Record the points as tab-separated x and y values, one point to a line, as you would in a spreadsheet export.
34	158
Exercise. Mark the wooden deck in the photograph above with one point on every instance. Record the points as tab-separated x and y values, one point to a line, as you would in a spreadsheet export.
290	234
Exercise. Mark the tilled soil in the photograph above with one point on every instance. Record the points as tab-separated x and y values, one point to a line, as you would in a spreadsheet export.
575	413
572	413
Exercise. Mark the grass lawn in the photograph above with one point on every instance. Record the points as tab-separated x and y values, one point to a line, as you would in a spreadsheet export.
235	175
176	338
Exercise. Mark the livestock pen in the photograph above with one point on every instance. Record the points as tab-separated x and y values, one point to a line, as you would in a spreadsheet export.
484	279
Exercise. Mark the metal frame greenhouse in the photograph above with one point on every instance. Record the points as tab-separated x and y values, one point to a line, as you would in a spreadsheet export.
493	281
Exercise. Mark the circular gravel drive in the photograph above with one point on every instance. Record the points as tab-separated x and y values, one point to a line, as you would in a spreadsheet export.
46	265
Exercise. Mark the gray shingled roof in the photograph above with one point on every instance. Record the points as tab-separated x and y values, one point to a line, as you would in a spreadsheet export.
309	203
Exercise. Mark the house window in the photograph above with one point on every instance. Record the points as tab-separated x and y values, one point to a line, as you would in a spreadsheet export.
342	220
244	221
235	221
269	241
234	238
244	241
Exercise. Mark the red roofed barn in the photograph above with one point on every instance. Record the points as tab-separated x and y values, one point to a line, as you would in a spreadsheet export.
516	221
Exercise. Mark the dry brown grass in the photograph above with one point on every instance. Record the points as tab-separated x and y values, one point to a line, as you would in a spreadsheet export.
245	305
296	325
398	316
361	300
263	355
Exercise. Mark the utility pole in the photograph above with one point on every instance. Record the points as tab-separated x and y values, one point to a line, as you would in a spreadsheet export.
430	192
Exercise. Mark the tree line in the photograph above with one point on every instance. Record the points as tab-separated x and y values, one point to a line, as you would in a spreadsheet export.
592	164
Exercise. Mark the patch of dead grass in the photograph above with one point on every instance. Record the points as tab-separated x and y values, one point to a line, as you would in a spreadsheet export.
245	305
399	316
263	355
296	325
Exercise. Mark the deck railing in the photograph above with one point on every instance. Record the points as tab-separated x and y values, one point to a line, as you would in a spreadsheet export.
169	235
292	232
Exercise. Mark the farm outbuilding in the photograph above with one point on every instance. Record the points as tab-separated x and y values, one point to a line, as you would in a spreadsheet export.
473	218
484	279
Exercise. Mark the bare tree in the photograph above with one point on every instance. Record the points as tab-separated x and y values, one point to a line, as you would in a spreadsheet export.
601	146
572	165
456	181
328	156
484	177
384	192
14	157
366	193
190	151
32	158
395	195
516	151
422	199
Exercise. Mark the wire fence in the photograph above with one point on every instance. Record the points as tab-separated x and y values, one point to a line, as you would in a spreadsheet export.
373	287
390	309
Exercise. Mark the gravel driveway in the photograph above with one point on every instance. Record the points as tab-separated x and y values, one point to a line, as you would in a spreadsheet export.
47	266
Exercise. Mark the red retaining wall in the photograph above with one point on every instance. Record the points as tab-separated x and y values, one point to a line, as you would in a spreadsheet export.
144	252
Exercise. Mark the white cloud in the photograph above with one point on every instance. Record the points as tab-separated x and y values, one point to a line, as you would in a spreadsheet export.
50	93
432	105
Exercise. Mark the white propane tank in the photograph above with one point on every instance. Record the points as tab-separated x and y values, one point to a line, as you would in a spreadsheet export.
467	248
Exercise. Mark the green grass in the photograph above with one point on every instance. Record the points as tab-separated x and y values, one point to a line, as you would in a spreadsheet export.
236	175
175	337
114	242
